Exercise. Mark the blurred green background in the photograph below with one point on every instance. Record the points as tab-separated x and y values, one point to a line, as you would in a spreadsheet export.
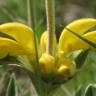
66	12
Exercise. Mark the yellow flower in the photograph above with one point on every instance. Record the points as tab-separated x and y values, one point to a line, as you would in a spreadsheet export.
68	42
20	42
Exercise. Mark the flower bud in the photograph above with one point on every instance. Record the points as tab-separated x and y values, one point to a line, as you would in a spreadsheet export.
47	63
67	67
64	71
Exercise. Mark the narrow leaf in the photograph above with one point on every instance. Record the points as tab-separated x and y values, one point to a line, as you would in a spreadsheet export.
81	58
9	60
79	92
12	88
89	91
82	38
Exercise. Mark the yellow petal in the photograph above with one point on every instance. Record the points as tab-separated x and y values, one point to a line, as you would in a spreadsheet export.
43	42
3	54
80	26
8	46
21	33
80	44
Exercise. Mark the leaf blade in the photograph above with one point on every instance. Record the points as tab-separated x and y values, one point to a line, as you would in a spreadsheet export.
12	88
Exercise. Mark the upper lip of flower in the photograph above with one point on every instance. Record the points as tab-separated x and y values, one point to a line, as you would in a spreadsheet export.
22	34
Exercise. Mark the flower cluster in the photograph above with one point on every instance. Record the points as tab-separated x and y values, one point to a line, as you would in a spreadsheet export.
20	42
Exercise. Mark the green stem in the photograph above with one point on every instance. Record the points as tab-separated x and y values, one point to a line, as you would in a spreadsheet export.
50	13
31	13
31	6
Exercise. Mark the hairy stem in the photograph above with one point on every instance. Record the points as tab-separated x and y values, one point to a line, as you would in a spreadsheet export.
50	13
31	6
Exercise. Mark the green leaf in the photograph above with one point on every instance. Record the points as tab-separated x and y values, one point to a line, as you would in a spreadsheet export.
82	38
79	92
81	58
12	88
9	60
90	90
